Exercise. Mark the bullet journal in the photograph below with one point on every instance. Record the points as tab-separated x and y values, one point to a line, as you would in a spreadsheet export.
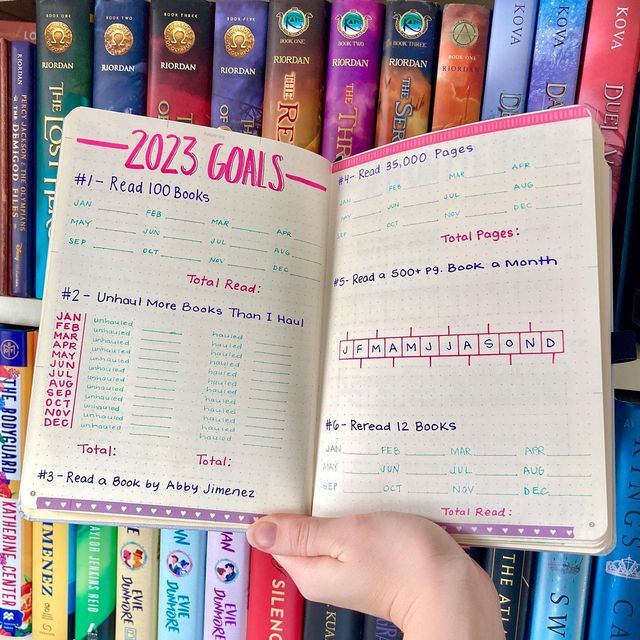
234	326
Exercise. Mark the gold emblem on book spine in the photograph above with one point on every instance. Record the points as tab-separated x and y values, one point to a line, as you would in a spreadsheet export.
58	37
118	39
239	41
464	33
179	37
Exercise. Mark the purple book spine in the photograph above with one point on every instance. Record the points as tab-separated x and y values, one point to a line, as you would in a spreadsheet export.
227	585
22	178
353	72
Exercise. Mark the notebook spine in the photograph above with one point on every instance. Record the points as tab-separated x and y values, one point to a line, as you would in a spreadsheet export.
95	582
609	70
559	596
615	591
180	45
181	583
295	72
239	55
22	178
137	584
509	58
275	604
227	585
462	61
120	55
353	74
323	621
556	54
407	71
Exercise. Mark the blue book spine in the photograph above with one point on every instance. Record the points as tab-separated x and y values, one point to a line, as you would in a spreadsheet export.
181	584
556	53
509	58
239	56
615	595
378	629
23	58
560	594
120	47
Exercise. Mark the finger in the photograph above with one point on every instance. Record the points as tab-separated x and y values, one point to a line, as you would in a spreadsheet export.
292	535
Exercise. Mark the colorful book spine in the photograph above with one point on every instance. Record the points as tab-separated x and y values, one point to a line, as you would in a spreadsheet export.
511	571
120	55
179	79
54	581
295	72
63	82
276	607
609	69
353	74
96	554
239	55
556	54
559	597
323	621
462	61
22	169
227	585
137	584
614	609
181	583
16	373
5	167
379	629
509	59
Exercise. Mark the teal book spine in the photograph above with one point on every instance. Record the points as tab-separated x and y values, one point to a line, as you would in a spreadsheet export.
63	82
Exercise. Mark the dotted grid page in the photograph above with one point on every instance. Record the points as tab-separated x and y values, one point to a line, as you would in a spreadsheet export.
178	358
463	377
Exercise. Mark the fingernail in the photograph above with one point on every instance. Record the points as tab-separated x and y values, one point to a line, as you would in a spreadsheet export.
264	535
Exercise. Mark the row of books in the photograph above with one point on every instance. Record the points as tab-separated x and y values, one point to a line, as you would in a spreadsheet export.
337	80
88	581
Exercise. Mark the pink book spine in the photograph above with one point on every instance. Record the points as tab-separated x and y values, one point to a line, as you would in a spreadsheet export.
609	70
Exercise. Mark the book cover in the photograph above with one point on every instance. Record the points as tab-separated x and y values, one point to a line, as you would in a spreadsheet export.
407	72
54	580
513	25
239	56
181	583
615	590
275	604
559	596
379	629
96	563
22	170
462	60
120	50
17	352
510	571
63	82
226	591
323	621
556	53
295	72
353	74
608	75
18	30
180	47
137	584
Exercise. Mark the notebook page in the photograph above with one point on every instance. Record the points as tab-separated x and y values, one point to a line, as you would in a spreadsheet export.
463	377
178	357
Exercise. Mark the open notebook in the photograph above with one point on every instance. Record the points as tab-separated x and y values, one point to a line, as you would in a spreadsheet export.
233	326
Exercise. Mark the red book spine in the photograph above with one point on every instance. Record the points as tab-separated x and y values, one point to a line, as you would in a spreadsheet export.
276	607
609	69
180	58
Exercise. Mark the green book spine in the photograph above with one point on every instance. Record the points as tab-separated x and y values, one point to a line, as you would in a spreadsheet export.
96	558
63	82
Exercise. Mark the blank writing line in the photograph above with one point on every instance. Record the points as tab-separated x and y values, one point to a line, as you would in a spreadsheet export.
426	455
559	164
377	195
560	206
144	415
112	249
306	260
568	455
139	386
237	246
564	184
186	220
270	344
480	215
242	266
133	233
251	435
267	400
161	370
361	473
148	435
255	426
260	446
430	493
159	350
269	381
171	333
357	453
489	193
281	355
425	473
149	426
152	406
264	233
570	495
366	215
262	418
180	258
495	455
307	242
482	175
286	393
275	373
369	492
570	476
158	379
366	233
413	224
419	204
498	494
182	239
497	475
163	341
129	213
155	398
277	364
160	360
297	275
